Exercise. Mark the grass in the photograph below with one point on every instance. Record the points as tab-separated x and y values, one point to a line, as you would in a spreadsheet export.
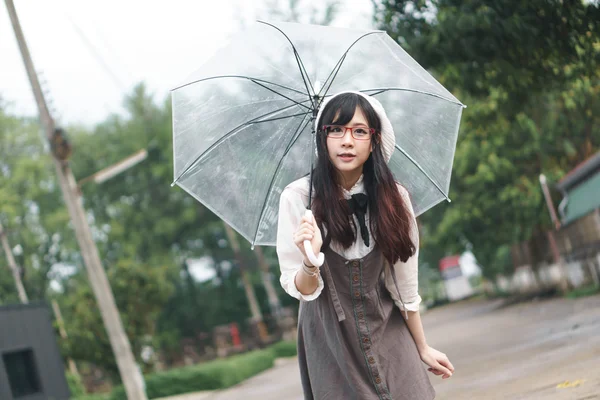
584	291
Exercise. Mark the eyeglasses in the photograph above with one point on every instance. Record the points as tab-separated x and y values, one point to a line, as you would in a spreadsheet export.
339	131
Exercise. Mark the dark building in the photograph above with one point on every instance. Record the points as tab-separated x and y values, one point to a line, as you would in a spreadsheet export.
31	367
581	190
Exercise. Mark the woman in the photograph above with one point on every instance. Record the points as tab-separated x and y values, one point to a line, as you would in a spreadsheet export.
359	330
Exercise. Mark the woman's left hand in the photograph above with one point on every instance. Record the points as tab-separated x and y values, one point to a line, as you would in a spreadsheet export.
438	362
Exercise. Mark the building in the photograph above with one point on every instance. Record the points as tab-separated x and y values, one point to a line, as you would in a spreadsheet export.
581	190
457	273
31	367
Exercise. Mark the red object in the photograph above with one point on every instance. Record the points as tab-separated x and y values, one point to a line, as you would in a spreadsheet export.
449	262
235	334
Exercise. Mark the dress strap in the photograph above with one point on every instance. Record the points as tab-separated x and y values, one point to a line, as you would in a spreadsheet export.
333	293
390	269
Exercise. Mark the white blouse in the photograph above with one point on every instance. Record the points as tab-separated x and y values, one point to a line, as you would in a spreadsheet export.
292	205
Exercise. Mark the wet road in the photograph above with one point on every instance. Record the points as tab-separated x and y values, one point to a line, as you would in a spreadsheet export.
547	349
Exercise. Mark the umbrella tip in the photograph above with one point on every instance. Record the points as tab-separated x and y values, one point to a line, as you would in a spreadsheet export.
174	182
448	200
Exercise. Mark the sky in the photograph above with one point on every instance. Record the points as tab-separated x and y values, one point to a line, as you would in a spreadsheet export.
90	54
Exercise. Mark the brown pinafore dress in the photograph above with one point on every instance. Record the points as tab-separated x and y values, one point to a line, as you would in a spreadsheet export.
353	343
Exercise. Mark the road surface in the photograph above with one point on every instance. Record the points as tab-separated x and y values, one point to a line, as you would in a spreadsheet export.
545	349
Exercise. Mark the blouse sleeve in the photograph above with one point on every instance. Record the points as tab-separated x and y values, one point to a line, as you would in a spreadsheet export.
407	275
291	210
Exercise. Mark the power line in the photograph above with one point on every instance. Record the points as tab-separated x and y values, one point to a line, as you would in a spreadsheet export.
97	56
130	374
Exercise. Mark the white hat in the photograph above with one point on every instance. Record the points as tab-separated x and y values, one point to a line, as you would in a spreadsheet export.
388	138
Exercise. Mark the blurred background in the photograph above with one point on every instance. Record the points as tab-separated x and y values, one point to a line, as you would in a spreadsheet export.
523	225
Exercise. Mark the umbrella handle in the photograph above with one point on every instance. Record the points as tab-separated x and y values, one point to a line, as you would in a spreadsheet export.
317	261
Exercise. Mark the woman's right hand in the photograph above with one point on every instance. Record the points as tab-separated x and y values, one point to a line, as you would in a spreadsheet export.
308	230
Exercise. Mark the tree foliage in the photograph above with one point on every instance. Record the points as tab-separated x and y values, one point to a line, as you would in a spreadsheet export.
145	231
31	209
529	73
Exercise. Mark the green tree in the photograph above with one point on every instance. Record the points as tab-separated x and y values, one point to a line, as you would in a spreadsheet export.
529	74
141	291
140	217
144	218
479	45
31	209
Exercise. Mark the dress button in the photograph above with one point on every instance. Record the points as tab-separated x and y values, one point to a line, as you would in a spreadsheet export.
357	294
355	278
360	315
371	360
365	340
378	380
355	263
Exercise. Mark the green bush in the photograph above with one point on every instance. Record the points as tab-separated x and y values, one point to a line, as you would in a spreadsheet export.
284	349
584	291
75	385
96	396
212	375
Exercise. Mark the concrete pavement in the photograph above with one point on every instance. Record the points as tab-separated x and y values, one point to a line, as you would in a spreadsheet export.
546	349
278	383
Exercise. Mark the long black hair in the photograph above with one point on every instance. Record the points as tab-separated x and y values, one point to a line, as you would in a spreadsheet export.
390	218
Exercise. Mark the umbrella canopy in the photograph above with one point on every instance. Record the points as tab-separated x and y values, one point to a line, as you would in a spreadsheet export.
242	124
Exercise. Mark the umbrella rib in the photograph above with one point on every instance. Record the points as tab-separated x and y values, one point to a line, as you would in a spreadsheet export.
381	90
376	93
341	61
227	135
241	77
280	94
214	211
279	118
256	119
336	72
303	74
298	61
303	68
274	112
295	137
409	67
422	170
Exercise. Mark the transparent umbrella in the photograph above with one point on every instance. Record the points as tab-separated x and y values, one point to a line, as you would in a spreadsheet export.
243	123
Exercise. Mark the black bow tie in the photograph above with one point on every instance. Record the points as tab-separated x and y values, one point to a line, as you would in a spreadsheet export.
358	206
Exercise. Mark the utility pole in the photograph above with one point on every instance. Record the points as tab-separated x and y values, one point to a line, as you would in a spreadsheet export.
130	374
549	203
558	259
13	266
63	335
